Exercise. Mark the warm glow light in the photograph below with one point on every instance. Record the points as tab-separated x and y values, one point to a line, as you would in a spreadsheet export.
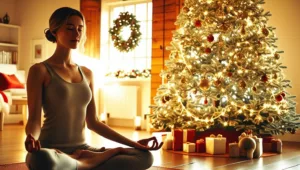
137	121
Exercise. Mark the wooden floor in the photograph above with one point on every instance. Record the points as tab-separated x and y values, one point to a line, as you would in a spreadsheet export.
12	151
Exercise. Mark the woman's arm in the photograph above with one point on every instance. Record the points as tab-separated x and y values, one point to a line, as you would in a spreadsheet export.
100	128
95	125
34	98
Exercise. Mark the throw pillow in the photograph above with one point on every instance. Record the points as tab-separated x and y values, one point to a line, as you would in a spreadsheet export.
9	81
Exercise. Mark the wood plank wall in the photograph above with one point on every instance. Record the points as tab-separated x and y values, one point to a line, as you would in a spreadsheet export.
164	16
91	10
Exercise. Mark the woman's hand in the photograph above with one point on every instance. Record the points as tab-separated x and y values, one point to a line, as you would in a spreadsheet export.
143	144
31	144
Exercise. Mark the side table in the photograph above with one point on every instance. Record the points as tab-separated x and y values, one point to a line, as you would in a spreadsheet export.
21	101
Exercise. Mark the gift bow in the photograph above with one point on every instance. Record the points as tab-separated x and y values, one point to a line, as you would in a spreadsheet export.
276	140
218	136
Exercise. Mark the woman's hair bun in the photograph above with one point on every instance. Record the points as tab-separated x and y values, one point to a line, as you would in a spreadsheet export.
49	35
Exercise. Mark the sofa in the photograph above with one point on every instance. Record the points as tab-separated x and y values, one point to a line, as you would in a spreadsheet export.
12	84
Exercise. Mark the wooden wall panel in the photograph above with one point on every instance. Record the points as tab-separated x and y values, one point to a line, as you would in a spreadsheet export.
91	11
164	16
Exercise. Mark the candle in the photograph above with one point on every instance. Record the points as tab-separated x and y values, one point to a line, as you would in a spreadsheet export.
137	122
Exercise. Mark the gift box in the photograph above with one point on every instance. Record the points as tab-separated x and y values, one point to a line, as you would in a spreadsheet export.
234	151
177	139
267	145
200	146
215	145
189	147
259	147
189	135
168	142
276	145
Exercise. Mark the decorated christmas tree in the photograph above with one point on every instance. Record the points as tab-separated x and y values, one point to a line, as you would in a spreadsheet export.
224	70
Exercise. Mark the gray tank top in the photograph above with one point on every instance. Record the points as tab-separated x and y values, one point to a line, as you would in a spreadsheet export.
64	105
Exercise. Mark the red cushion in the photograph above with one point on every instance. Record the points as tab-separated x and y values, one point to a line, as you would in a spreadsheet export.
9	81
4	96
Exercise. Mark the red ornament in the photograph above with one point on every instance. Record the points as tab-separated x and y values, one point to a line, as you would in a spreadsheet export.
207	50
278	98
205	101
229	74
265	31
210	38
198	23
264	78
283	94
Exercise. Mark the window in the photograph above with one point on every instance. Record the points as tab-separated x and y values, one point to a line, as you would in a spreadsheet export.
140	57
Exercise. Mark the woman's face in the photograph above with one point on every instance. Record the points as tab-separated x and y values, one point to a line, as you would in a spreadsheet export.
69	35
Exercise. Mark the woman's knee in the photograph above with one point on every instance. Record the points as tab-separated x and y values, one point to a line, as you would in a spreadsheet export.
146	159
42	159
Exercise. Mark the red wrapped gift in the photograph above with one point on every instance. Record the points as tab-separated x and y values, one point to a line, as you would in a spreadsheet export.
189	135
267	145
276	145
267	139
200	146
178	140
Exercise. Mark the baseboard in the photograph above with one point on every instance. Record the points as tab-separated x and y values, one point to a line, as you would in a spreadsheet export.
120	122
290	137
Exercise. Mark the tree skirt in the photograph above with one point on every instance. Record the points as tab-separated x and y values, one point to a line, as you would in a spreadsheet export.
265	154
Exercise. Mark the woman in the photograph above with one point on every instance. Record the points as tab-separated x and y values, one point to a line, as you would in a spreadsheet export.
65	92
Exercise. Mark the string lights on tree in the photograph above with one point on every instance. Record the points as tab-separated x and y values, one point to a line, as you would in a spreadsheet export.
224	70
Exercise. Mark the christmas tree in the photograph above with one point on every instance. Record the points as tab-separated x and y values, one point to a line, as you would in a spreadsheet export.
224	70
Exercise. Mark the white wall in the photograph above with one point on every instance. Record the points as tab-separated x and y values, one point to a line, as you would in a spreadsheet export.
9	7
285	17
34	18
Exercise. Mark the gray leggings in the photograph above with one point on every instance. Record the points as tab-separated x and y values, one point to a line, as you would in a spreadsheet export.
49	159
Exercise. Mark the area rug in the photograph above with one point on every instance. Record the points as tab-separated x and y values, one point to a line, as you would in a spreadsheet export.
22	166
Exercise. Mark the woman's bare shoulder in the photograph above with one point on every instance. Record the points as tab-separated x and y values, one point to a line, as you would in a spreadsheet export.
87	72
38	69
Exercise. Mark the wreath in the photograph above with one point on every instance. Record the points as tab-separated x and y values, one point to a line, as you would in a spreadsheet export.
125	19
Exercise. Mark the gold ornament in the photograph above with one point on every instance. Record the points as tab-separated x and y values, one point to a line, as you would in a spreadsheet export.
218	82
243	84
243	31
204	84
270	119
183	80
186	9
276	56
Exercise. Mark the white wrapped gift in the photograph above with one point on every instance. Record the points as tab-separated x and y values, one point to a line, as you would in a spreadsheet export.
259	147
189	147
168	142
215	145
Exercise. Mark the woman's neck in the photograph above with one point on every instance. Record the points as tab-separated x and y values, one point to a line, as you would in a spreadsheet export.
61	56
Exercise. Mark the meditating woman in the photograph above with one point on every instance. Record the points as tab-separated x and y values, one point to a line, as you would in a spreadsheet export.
64	91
